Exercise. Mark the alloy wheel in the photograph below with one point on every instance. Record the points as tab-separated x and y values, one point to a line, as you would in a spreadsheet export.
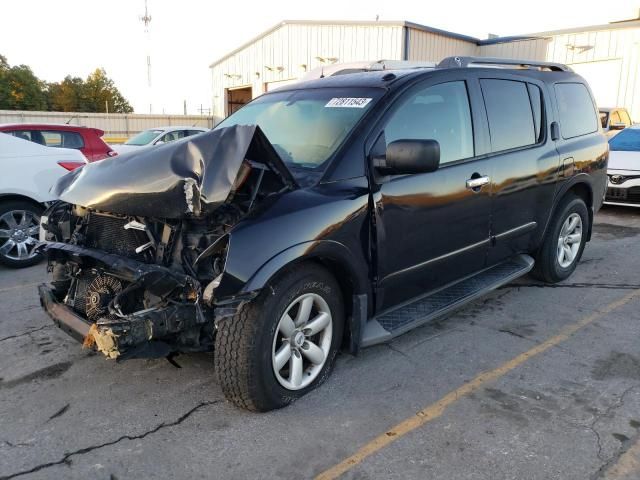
569	240
302	341
19	234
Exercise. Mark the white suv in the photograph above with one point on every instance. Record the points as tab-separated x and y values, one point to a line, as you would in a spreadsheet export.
28	172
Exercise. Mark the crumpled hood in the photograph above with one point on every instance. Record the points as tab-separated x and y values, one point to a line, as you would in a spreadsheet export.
190	176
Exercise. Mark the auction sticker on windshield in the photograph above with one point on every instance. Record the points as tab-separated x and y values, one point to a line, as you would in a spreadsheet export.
350	102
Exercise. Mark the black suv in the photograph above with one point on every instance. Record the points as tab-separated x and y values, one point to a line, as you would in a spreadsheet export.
336	213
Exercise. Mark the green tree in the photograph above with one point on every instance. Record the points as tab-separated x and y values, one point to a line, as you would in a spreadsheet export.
20	89
100	90
4	83
68	95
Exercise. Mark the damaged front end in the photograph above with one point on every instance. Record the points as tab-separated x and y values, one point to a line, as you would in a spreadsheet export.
138	244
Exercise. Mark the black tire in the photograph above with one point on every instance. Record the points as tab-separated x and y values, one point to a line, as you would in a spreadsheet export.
244	342
13	205
547	267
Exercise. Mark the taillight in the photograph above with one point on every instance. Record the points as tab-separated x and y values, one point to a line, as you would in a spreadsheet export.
71	165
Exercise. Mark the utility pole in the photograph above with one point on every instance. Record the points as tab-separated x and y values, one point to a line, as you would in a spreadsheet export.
184	107
146	19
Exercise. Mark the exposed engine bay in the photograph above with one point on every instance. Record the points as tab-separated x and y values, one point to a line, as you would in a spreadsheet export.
138	244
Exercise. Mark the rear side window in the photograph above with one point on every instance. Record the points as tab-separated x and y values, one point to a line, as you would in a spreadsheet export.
576	110
49	138
625	117
511	119
63	139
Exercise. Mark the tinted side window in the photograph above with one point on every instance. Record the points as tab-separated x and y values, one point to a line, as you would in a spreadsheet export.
34	136
440	112
172	136
59	139
537	106
509	113
577	113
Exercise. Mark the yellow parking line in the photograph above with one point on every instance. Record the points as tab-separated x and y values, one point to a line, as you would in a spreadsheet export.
628	465
436	409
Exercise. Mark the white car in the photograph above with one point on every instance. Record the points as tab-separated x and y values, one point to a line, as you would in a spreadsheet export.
157	136
28	172
624	168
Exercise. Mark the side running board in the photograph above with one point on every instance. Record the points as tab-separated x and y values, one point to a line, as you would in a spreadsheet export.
390	324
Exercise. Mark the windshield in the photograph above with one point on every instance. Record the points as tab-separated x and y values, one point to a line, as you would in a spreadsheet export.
306	127
628	140
143	138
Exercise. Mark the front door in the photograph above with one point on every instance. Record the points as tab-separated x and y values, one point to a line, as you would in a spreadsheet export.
432	228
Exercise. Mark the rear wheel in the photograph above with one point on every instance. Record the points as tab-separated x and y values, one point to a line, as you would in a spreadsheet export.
564	243
19	229
283	344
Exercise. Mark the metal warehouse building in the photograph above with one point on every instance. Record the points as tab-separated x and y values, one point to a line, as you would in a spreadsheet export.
608	56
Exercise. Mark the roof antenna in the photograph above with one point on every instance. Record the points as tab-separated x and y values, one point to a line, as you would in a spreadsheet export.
69	121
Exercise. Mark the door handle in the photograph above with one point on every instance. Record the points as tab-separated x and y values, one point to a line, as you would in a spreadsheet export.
477	183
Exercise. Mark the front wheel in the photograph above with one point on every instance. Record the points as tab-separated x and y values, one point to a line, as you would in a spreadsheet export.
283	344
564	242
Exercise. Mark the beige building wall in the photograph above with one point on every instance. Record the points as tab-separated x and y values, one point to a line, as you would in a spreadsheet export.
608	57
290	50
433	47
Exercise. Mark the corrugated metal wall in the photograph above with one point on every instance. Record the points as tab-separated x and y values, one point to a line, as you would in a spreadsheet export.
432	47
290	51
585	51
281	54
115	125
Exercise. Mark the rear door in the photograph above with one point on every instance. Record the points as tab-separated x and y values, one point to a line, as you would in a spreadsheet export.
525	162
433	228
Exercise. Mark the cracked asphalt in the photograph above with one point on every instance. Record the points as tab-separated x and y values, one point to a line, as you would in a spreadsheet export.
571	412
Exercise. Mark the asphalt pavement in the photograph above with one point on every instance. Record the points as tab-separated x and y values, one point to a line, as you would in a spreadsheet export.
529	382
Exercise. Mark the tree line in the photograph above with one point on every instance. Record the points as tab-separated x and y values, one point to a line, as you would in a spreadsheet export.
21	89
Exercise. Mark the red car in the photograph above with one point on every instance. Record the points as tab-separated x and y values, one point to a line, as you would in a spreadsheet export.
85	139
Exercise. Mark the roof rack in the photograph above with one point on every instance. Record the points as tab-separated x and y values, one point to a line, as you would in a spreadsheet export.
466	62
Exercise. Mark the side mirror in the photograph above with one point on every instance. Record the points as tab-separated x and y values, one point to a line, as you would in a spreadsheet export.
409	156
617	126
159	142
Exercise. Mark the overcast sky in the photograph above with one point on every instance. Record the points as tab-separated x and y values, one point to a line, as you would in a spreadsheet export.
73	37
